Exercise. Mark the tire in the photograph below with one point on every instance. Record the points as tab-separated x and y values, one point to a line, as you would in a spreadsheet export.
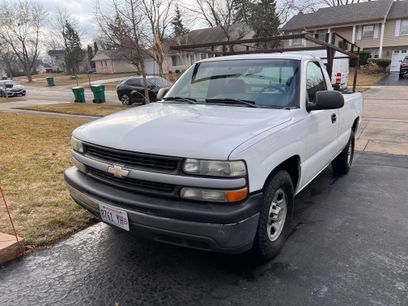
342	163
401	76
273	228
125	99
2	95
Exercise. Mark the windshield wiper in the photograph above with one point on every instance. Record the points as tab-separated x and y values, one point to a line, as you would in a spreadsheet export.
181	99
248	103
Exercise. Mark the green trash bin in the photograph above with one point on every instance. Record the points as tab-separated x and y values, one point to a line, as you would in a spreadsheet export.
98	93
50	81
79	94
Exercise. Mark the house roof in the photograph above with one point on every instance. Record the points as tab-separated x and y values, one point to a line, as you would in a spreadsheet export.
103	55
207	35
351	13
398	9
56	52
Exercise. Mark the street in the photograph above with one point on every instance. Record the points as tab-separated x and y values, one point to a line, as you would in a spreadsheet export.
348	246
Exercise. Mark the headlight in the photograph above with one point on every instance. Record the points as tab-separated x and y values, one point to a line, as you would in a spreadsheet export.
213	195
215	168
77	145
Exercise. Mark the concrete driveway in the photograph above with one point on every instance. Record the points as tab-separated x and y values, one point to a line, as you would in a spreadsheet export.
392	79
348	247
384	128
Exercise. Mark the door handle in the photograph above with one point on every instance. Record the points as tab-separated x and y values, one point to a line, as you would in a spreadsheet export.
333	118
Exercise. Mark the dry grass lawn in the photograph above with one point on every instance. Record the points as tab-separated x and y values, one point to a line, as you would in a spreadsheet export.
6	100
35	150
79	108
364	79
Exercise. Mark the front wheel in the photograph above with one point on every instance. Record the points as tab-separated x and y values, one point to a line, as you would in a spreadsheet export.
275	215
342	163
125	99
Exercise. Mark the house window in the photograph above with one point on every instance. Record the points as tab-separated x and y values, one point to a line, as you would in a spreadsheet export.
297	41
176	60
404	27
373	52
321	34
367	31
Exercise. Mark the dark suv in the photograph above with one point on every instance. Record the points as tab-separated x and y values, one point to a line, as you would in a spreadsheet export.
403	67
132	90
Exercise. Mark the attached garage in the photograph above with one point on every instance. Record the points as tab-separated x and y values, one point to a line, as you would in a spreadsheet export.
396	58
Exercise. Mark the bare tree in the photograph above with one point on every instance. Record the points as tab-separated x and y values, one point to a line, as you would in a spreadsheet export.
341	2
217	13
159	14
121	25
20	29
7	59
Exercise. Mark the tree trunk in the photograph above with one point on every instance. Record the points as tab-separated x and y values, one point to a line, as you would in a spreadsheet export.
146	89
161	70
29	76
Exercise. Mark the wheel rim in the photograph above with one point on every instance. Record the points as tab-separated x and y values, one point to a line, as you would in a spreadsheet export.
125	99
350	153
277	215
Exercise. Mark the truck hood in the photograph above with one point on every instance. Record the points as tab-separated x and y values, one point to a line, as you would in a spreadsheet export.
183	130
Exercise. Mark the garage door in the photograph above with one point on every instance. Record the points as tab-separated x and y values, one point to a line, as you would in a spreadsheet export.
151	67
397	57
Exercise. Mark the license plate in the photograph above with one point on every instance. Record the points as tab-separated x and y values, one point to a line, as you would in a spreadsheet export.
114	216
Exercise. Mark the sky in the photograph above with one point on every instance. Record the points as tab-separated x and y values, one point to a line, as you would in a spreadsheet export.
82	10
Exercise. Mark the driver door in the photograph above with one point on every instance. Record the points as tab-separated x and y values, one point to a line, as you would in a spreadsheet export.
322	129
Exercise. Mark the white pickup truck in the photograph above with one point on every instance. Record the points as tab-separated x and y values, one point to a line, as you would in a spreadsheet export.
217	163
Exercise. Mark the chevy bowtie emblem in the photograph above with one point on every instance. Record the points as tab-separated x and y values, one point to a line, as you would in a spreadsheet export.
118	171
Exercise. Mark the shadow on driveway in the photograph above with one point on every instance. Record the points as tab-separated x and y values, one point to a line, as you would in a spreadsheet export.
348	247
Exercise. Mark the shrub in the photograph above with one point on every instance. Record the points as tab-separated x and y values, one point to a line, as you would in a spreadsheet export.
364	56
370	68
381	62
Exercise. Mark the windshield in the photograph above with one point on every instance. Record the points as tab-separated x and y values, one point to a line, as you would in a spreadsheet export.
263	82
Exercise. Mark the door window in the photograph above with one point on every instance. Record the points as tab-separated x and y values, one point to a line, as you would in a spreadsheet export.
314	80
134	82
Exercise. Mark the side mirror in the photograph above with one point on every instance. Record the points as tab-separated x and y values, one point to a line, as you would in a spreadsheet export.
162	92
326	100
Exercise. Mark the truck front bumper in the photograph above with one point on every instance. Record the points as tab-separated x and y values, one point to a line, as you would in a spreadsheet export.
226	228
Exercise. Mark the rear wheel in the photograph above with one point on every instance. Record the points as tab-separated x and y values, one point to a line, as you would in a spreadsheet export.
401	76
275	215
125	99
342	163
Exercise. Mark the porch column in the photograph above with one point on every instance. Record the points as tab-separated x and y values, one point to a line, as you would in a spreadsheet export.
353	37
381	40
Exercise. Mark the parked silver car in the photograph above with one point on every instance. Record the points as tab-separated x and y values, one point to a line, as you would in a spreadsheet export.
10	88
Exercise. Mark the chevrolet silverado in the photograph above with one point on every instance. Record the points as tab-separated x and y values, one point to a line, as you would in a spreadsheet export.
217	163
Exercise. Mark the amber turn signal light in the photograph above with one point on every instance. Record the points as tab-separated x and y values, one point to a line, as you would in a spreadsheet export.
236	195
